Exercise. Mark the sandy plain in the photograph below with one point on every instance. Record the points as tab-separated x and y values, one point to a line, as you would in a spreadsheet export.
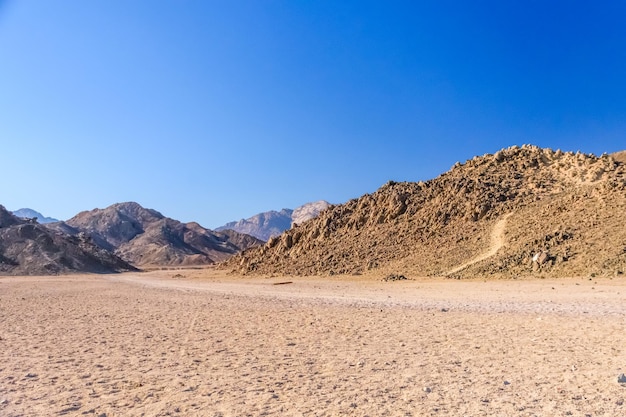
201	343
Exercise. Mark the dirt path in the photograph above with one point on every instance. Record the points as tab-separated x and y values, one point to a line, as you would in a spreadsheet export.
497	241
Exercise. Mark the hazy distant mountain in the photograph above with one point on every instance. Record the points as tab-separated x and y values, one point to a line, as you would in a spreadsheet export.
27	213
308	211
262	225
28	248
272	223
145	237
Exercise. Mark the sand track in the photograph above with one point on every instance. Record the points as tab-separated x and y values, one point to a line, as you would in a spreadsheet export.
497	241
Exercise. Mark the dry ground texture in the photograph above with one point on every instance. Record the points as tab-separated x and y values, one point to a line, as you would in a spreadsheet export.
194	343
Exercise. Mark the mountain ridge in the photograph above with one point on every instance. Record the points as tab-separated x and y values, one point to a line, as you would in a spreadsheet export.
29	248
145	237
429	228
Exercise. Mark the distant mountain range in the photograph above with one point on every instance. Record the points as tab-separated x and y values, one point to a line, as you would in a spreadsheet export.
268	224
124	236
522	211
115	239
145	237
29	248
27	213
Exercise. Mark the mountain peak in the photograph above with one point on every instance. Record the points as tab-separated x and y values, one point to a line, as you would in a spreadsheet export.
27	213
272	223
144	236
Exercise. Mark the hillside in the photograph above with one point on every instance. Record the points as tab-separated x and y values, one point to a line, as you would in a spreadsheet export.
490	216
620	156
28	248
268	224
145	237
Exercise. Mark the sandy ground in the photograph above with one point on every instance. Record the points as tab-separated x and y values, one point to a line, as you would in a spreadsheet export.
208	345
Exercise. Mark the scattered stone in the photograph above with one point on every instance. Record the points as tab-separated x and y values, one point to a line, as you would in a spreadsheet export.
621	379
541	257
427	390
395	277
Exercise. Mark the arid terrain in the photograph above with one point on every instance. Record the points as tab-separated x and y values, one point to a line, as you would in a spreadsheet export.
202	343
570	207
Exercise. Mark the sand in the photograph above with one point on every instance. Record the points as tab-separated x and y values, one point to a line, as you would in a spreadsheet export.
207	345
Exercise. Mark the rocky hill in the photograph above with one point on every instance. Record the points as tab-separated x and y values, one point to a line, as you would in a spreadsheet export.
266	225
144	237
521	211
28	248
27	213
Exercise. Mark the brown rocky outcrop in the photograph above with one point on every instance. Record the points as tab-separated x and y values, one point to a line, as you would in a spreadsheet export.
571	205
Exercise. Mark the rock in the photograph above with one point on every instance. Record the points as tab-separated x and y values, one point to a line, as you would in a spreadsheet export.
621	379
395	277
541	258
427	390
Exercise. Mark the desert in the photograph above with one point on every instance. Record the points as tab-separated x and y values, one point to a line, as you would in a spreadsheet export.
312	208
201	342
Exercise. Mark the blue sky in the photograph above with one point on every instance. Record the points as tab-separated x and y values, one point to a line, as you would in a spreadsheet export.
213	111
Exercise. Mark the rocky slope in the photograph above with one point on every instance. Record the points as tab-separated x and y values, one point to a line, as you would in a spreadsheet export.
144	237
27	213
521	211
620	156
28	248
272	223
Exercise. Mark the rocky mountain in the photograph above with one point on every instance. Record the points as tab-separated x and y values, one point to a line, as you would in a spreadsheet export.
28	248
272	223
308	211
521	211
144	237
27	213
263	225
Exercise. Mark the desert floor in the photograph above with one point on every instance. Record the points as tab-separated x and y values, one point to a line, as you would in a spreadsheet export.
201	343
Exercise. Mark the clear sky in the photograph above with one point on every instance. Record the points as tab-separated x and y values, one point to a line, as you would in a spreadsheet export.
213	111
